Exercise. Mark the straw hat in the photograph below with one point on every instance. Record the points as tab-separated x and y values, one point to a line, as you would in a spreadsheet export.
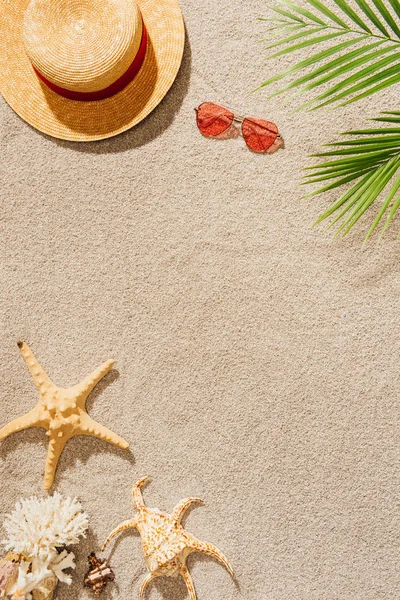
86	70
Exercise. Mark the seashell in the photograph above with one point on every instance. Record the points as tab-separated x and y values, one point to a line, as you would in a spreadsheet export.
165	543
46	589
99	574
8	572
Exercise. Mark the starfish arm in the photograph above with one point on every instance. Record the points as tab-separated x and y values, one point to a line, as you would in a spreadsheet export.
189	582
84	388
145	583
131	524
138	501
31	419
56	446
211	550
182	507
40	378
89	427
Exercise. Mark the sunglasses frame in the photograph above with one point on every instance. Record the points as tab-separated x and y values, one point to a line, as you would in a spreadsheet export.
237	118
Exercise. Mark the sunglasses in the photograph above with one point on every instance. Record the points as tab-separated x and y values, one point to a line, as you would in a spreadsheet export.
259	135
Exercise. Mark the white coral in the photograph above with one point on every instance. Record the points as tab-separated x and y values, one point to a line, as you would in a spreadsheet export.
36	528
29	577
65	560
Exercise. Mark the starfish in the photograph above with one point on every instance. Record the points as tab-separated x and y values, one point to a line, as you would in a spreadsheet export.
62	412
165	543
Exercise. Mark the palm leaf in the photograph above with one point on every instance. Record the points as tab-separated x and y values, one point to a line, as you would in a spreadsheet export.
370	160
369	31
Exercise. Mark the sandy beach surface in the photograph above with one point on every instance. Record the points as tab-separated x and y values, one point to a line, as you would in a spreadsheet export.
256	357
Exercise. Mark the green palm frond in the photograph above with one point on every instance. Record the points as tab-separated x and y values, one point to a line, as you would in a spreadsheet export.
360	55
370	160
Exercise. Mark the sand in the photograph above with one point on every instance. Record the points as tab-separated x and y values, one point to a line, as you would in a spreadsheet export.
256	357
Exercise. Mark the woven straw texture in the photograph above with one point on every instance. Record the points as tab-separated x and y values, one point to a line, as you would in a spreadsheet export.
83	46
88	121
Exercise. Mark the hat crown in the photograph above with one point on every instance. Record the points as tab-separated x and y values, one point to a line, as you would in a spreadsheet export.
82	45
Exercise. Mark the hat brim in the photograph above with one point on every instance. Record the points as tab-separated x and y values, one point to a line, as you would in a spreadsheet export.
81	121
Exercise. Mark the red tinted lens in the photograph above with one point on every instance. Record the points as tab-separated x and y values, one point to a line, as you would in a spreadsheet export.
258	134
212	119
